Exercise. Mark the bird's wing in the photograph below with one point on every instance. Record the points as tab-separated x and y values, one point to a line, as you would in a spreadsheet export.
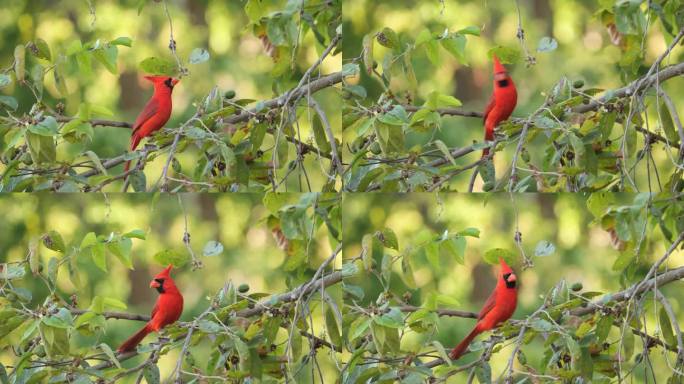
488	306
154	310
151	108
489	108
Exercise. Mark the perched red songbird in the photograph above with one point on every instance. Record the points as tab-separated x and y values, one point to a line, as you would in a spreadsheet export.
502	103
498	308
156	112
167	310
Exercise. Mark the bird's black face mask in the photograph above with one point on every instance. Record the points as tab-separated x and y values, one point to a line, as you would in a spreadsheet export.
169	83
160	287
509	284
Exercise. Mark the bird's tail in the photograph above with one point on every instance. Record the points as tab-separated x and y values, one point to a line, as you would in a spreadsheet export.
133	341
135	140
463	345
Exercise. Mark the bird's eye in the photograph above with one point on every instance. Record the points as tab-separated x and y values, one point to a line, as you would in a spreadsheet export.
506	276
160	281
169	82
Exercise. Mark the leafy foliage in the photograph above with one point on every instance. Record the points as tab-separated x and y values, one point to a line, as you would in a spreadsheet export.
55	324
398	306
398	117
224	142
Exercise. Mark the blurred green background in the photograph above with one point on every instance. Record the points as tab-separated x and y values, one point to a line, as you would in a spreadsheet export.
251	256
583	253
584	52
238	61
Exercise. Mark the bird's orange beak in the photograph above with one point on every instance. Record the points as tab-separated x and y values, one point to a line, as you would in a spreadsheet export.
175	81
154	284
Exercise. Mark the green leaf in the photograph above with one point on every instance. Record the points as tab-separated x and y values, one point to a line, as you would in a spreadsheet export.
541	325
123	40
19	63
151	372
445	151
432	51
208	326
198	55
506	55
441	351
107	57
367	252
439	100
58	75
4	80
603	328
61	319
170	256
9	101
212	248
350	69
627	345
53	241
492	256
367	45
547	44
544	248
484	373
273	201
77	131
121	248
389	239
358	327
666	327
47	127
332	326
472	232
97	252
423	37
11	271
136	233
282	149
391	319
158	66
96	160
88	240
42	148
668	126
599	202
407	270
320	136
42	50
471	30
397	116
388	38
138	181
455	247
455	44
110	354
110	302
432	254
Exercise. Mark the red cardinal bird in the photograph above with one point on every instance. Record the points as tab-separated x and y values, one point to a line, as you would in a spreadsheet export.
167	310
502	103
156	112
499	307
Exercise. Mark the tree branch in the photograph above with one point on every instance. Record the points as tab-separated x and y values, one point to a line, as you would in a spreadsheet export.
240	116
635	86
660	280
